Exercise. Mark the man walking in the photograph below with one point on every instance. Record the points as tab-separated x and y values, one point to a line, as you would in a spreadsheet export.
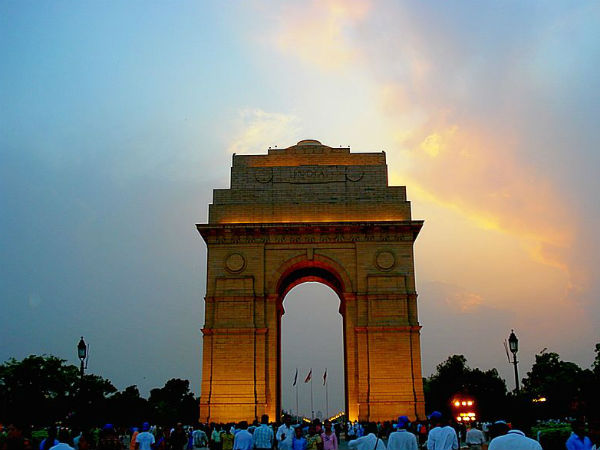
514	440
243	438
441	437
263	435
368	442
285	433
402	439
475	438
145	439
199	439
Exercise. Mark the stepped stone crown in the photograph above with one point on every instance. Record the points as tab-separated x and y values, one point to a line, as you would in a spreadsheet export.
296	184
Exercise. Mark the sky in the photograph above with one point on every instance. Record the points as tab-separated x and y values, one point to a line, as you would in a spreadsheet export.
117	119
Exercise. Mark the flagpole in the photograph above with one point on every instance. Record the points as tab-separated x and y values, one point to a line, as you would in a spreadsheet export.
326	397
296	384
312	409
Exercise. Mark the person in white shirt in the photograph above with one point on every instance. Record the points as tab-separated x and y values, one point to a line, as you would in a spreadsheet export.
145	439
243	438
514	440
402	439
441	437
285	434
368	442
475	438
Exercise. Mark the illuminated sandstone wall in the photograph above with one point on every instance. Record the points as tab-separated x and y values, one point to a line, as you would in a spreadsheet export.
310	213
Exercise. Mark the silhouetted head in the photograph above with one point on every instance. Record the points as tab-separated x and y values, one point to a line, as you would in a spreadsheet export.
499	428
64	436
403	422
435	418
371	428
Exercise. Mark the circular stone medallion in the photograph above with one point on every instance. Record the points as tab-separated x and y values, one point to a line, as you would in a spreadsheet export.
264	174
354	174
385	260
235	262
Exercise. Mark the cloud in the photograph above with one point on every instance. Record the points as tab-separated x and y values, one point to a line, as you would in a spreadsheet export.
319	33
476	173
476	127
257	129
456	320
451	153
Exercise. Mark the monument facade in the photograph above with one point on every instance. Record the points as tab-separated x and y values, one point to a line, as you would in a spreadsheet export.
310	213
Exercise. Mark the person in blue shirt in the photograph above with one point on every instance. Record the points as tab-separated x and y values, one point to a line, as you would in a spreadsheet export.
578	440
299	442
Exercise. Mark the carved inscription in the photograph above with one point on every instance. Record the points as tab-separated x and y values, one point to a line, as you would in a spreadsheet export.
291	238
310	174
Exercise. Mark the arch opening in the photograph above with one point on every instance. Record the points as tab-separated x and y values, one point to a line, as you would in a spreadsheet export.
312	337
307	274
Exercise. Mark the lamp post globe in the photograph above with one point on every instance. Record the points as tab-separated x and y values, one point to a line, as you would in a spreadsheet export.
81	349
513	345
82	354
513	342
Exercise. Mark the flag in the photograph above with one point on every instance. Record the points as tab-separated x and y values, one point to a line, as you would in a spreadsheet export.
325	378
308	377
295	377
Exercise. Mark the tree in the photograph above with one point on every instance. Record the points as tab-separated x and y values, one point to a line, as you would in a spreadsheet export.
128	407
564	385
41	390
93	398
38	389
453	376
173	403
44	389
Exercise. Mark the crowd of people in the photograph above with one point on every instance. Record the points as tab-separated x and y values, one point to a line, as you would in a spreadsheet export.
438	433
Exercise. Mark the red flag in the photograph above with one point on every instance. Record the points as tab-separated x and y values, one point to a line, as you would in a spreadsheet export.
308	377
325	378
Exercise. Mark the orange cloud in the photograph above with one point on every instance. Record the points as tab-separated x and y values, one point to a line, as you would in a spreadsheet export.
318	33
477	173
456	161
453	121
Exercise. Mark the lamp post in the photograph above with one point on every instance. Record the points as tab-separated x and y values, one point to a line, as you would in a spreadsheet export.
513	345
82	354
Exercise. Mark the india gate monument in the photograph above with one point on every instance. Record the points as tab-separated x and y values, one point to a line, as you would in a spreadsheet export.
310	213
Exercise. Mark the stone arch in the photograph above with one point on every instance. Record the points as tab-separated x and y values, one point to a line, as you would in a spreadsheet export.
310	213
298	275
334	274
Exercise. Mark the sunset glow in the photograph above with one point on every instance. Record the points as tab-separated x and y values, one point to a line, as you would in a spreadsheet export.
119	120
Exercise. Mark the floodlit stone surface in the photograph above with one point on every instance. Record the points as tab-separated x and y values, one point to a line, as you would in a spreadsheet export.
310	213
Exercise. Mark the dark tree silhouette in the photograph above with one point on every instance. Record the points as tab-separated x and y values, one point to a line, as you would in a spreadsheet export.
454	376
173	403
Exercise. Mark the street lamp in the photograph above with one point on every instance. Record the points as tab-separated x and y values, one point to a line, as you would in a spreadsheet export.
82	354
513	345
